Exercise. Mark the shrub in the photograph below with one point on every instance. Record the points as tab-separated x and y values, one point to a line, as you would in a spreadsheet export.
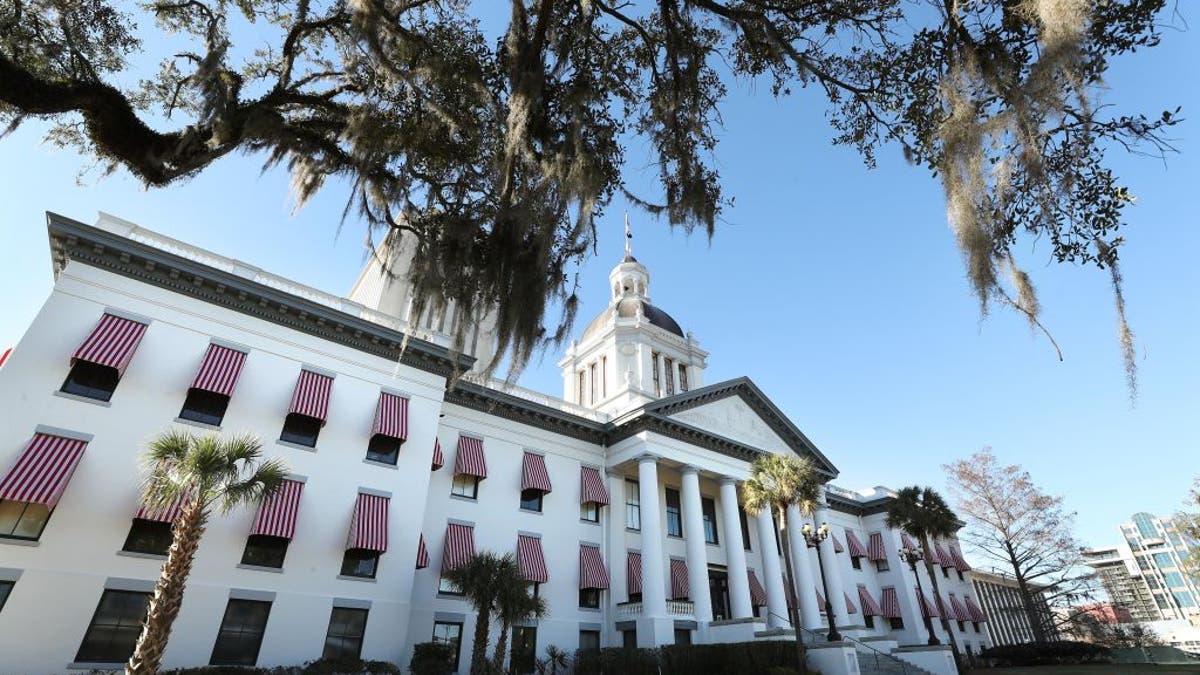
432	658
319	667
1046	653
743	658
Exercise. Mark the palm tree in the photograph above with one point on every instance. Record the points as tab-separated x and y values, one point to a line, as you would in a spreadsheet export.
480	580
777	482
925	515
514	604
205	472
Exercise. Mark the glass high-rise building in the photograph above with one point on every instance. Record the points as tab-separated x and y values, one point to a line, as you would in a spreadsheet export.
1147	572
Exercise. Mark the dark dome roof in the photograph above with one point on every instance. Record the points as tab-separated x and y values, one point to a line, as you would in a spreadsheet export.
627	309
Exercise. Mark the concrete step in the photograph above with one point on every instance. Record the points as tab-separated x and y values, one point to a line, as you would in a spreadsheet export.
870	665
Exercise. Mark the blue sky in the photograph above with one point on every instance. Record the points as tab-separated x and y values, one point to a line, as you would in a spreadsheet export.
836	288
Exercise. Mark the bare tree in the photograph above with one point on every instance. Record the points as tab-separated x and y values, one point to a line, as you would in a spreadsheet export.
1016	526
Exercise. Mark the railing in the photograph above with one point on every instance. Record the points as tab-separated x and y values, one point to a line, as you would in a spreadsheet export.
817	637
536	397
674	608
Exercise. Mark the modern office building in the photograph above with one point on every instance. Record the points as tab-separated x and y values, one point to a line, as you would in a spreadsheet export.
620	500
1146	571
1008	621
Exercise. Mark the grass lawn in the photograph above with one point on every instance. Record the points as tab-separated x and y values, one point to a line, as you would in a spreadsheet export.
1094	669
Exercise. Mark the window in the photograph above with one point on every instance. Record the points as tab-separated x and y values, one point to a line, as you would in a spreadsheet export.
205	407
604	377
582	382
345	635
856	562
683	383
635	597
745	527
669	367
654	367
22	520
465	486
265	551
531	500
589	598
241	633
383	449
674	518
881	566
589	640
683	636
91	380
708	509
592	377
960	575
975	626
359	562
447	587
629	638
896	623
946	572
115	627
301	430
962	628
633	506
148	536
524	649
449	634
869	621
5	588
589	511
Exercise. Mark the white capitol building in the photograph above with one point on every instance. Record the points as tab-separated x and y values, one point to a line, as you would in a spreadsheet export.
620	499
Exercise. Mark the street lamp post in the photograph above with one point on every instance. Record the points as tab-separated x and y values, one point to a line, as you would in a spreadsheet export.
814	538
912	556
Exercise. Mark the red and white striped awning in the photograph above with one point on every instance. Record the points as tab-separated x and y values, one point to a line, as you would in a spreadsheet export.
469	460
633	571
219	370
973	609
277	514
311	396
533	473
167	515
111	343
422	553
679	580
41	473
459	547
591	487
857	550
891	603
837	545
758	594
907	542
391	416
927	608
850	608
439	460
957	611
369	524
531	560
592	573
960	563
820	596
875	549
947	559
870	607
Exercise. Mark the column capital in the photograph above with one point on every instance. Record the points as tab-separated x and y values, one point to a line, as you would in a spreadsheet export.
729	480
647	457
614	473
689	468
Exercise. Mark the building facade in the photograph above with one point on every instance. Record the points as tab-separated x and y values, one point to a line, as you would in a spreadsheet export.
620	500
1146	573
1008	622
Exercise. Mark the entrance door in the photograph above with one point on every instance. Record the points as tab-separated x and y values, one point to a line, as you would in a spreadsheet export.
718	590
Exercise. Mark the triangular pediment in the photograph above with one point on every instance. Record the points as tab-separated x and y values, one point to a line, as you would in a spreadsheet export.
732	417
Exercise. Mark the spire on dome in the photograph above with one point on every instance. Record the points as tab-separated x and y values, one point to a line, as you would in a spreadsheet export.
628	241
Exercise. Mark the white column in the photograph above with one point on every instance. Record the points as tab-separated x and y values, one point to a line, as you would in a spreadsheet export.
654	591
802	567
697	556
833	573
616	554
777	616
735	554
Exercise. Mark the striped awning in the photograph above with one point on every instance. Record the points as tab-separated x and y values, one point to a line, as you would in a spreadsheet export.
459	546
469	460
111	343
422	553
679	580
820	597
957	611
277	514
973	609
850	608
369	524
947	560
391	416
531	560
891	603
219	370
870	607
167	515
633	571
592	573
591	487
960	563
42	471
857	550
907	542
837	545
533	473
311	396
758	594
875	549
439	460
927	608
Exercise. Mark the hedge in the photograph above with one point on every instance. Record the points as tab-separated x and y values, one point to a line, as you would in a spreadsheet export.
320	667
739	658
1047	653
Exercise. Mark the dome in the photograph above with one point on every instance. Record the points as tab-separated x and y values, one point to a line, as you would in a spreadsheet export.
627	308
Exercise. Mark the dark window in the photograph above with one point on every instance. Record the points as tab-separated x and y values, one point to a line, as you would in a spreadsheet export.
709	512
881	566
5	588
22	520
447	587
524	649
856	562
962	627
265	551
148	536
745	528
383	449
589	640
683	383
532	589
975	626
674	517
359	562
629	638
960	575
531	500
241	633
449	634
91	380
345	636
869	621
683	636
654	366
115	627
465	486
301	430
635	597
204	406
589	511
633	507
669	367
946	572
589	597
896	623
